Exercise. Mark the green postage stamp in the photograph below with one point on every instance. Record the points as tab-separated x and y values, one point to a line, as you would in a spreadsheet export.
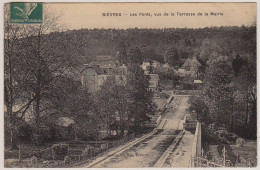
26	12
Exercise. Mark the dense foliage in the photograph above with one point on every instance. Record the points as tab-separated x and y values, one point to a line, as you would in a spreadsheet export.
187	42
128	100
228	95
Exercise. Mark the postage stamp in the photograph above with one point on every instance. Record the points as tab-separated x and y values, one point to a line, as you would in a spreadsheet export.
26	12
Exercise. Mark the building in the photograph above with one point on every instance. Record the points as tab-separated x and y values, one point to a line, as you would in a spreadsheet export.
193	67
156	64
149	65
153	82
146	66
105	62
197	82
93	76
166	65
182	72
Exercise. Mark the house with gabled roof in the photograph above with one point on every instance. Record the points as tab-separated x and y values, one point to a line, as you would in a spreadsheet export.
94	75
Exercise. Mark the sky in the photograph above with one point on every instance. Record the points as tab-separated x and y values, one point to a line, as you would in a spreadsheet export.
89	15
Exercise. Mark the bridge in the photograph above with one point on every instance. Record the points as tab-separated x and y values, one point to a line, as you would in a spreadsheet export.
173	143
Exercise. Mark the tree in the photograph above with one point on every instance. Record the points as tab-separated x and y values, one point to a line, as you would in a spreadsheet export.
208	49
121	55
135	56
245	87
70	100
238	63
140	104
111	103
14	81
172	57
187	42
194	66
42	57
124	103
228	91
200	108
218	89
150	53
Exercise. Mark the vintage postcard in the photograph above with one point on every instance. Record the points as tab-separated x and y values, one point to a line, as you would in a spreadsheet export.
129	85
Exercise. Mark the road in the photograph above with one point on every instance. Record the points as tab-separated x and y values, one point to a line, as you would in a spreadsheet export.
147	152
175	113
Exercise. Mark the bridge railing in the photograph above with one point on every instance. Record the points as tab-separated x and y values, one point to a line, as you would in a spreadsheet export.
196	145
202	162
170	98
189	126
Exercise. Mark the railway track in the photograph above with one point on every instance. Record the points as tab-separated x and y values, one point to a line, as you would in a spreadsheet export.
122	149
151	150
161	147
166	154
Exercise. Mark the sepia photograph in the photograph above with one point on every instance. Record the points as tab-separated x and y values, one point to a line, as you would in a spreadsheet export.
129	85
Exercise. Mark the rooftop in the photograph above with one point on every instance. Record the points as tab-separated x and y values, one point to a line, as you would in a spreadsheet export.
153	77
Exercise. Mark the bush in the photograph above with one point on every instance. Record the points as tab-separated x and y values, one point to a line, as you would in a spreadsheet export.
189	86
211	135
87	150
59	151
45	135
229	153
24	133
232	137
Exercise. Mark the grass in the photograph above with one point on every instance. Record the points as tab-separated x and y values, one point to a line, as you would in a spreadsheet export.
247	153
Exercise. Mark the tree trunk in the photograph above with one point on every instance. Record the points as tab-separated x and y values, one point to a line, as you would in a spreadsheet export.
247	111
121	123
9	98
37	116
38	90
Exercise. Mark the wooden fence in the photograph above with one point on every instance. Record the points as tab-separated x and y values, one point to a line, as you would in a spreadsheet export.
76	153
202	162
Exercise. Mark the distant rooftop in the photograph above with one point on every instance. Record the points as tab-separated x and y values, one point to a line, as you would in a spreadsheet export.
197	81
104	57
154	77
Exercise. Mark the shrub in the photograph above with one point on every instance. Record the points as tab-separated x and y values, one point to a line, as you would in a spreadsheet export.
87	150
67	160
240	142
229	153
59	151
232	137
24	133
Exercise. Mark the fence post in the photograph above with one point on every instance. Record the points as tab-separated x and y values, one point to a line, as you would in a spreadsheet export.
224	156
36	163
52	152
19	152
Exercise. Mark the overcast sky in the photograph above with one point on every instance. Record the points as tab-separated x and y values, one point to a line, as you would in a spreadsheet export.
89	15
